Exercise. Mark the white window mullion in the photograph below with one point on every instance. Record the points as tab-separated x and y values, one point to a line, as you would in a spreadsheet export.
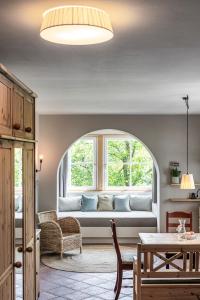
130	170
105	163
95	169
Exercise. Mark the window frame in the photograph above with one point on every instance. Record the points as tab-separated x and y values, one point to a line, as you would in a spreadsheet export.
105	168
72	188
100	166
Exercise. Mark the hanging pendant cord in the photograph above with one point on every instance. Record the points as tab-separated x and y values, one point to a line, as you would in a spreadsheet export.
186	99
187	138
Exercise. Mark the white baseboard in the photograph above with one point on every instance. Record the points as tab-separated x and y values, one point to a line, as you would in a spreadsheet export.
109	241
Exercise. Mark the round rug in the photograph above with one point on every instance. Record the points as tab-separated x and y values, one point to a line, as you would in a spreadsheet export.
93	259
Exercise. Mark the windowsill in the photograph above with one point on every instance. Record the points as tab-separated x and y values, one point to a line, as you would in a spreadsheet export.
110	190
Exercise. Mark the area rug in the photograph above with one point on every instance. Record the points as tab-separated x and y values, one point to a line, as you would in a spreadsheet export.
94	259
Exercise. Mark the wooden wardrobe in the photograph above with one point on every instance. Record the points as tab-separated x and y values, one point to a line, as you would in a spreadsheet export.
17	129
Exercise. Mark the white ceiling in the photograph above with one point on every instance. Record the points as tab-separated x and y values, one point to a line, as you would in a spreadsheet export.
152	61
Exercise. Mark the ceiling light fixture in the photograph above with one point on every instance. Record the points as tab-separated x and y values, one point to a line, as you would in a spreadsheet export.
76	25
187	180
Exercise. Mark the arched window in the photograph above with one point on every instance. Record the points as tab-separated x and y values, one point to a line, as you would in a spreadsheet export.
106	160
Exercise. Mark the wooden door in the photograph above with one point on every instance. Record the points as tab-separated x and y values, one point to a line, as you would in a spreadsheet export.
6	222
29	117
5	106
18	112
29	222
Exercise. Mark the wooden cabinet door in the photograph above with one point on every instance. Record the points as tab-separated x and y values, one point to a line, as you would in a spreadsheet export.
6	222
18	112
29	117
5	106
37	264
29	222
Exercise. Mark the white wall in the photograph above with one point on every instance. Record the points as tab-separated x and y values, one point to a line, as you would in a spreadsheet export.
163	135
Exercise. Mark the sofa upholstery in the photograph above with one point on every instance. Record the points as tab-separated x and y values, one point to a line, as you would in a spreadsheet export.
138	212
123	219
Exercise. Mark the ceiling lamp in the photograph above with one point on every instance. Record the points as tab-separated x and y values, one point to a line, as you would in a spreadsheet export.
76	25
187	180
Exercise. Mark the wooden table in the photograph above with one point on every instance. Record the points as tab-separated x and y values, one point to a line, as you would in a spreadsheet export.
153	263
166	239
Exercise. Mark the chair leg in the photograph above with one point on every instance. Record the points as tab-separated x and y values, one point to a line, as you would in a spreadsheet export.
116	282
119	283
61	255
81	249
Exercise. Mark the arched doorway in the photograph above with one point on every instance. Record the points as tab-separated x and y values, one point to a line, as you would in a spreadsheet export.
109	160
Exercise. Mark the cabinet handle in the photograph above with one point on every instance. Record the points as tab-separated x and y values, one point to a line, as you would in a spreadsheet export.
16	126
18	264
20	249
29	249
28	129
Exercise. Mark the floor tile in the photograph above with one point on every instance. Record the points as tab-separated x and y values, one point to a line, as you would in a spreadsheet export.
78	286
127	291
61	291
109	285
109	295
61	285
60	298
77	296
46	285
95	290
94	280
46	296
93	298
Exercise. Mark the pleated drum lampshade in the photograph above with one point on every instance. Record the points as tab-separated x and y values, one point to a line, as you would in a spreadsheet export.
76	25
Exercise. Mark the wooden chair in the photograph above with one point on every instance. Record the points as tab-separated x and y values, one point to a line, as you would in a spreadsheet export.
152	281
172	222
124	261
175	216
59	235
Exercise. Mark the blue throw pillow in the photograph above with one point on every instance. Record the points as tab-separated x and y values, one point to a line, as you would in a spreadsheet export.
89	203
121	203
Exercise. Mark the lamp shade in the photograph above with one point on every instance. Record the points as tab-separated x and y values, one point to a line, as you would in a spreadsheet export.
187	182
76	25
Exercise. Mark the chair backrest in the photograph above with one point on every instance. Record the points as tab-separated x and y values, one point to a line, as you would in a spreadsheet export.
115	240
46	216
172	220
155	281
152	261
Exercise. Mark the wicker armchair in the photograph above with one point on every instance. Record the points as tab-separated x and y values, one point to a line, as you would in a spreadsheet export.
59	235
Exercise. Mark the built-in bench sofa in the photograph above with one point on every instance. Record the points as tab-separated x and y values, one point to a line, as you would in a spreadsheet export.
139	216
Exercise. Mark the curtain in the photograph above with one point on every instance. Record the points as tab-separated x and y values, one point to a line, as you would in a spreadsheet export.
63	176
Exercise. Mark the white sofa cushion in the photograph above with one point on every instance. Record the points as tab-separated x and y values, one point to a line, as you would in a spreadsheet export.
70	203
121	203
141	202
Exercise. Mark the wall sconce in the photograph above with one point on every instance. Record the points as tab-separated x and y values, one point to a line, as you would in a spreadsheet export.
41	157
